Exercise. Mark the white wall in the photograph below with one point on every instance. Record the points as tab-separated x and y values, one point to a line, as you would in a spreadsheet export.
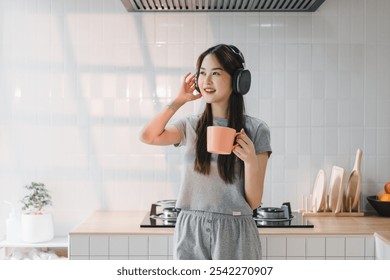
78	79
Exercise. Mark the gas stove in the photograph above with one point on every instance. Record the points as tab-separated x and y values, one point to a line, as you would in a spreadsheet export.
163	214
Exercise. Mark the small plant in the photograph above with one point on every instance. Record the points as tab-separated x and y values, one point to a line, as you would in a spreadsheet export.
37	199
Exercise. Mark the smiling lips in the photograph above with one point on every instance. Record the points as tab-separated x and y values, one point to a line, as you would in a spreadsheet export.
209	90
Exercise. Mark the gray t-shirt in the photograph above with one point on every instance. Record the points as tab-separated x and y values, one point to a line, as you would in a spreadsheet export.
209	192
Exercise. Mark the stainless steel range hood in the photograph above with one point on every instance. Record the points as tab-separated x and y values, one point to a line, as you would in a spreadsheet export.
222	5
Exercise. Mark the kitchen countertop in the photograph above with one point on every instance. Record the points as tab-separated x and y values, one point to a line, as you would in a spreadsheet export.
128	223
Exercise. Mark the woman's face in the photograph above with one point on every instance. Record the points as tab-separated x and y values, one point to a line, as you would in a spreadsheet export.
213	81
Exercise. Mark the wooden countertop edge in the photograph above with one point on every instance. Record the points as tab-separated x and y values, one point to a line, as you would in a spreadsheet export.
384	236
127	223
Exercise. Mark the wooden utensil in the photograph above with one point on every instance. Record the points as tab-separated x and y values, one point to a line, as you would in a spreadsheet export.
336	189
358	160
352	197
319	192
353	190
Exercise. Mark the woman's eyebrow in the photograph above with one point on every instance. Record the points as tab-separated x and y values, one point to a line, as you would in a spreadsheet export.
217	68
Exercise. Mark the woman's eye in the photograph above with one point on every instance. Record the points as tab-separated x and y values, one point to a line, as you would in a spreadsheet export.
202	73
215	73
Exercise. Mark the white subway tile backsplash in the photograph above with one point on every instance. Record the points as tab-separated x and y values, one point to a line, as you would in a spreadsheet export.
292	29
331	143
278	86
240	29
318	29
265	62
265	28
305	29
292	58
318	141
304	112
304	138
278	28
291	145
226	27
252	29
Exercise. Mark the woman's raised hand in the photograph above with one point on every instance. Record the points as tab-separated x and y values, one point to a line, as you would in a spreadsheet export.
186	92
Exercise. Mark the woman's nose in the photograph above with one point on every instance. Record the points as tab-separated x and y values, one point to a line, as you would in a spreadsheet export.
208	79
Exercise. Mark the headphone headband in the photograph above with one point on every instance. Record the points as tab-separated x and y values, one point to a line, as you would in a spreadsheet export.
237	52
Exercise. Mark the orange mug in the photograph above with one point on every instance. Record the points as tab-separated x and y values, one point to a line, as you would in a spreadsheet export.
220	139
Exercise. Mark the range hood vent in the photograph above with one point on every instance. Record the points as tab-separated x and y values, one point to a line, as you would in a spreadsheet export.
222	5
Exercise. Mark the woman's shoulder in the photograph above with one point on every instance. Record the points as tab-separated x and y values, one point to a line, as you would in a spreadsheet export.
192	120
255	123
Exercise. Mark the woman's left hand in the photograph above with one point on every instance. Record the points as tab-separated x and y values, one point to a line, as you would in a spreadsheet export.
244	148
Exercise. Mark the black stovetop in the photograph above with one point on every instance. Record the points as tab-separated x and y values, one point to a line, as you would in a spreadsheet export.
297	221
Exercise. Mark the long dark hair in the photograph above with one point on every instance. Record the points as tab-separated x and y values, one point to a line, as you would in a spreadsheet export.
230	62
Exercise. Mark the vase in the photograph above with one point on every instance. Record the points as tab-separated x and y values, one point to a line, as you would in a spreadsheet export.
37	228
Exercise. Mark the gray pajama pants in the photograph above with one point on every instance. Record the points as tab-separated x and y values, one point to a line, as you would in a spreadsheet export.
211	236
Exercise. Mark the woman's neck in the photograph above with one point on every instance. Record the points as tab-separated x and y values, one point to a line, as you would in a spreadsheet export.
219	110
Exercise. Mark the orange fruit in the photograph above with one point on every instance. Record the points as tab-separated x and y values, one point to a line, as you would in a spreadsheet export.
384	196
387	187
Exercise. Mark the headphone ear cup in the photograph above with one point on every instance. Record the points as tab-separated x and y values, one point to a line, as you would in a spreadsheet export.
242	81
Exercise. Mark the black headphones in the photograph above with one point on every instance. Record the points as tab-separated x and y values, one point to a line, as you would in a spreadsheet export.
242	77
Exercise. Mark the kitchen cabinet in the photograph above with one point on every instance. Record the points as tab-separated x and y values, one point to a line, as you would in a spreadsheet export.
382	248
57	246
160	247
121	247
318	247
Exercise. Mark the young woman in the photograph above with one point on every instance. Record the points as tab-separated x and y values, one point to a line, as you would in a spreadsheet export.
218	192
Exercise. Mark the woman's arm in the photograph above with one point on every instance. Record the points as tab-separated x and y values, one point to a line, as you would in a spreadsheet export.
254	180
255	167
157	132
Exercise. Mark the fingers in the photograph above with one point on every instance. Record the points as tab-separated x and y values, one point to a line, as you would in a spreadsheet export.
244	146
242	138
189	81
189	78
186	76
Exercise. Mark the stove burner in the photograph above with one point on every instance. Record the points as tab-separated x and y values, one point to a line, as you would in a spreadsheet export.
165	220
273	222
166	203
163	213
171	212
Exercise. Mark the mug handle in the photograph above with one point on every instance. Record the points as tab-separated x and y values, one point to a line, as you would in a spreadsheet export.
234	146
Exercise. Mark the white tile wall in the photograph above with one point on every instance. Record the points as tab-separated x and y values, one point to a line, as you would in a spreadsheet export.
78	79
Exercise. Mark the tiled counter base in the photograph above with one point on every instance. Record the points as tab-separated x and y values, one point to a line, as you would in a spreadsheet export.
159	247
120	247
